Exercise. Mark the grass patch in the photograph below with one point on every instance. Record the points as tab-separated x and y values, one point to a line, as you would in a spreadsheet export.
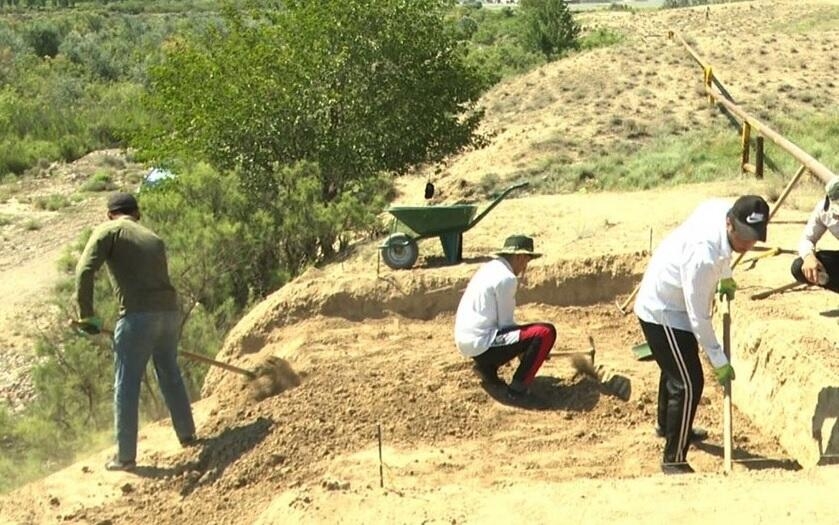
600	37
53	202
99	181
112	162
5	220
32	225
698	156
814	132
823	18
694	157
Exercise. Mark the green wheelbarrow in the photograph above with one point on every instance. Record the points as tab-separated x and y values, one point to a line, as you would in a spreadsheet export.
449	223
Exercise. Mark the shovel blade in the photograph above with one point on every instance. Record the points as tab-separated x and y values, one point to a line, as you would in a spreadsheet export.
642	352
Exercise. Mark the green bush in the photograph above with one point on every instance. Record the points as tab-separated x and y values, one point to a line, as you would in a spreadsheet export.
600	37
44	38
99	181
32	224
549	27
52	202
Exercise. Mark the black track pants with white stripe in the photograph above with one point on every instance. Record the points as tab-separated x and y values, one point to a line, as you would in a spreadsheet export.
680	385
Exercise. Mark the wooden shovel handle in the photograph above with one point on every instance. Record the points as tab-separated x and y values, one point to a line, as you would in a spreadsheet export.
197	357
726	400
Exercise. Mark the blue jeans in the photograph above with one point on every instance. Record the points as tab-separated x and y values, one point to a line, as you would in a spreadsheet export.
138	337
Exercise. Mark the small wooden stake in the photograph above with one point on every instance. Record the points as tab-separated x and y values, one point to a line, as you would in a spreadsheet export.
744	144
381	468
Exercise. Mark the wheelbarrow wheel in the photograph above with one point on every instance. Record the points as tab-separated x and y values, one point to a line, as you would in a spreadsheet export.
400	251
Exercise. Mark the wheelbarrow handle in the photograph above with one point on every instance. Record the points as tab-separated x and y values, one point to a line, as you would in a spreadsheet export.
494	203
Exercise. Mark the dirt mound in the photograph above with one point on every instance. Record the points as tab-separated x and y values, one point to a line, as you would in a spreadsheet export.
357	295
403	376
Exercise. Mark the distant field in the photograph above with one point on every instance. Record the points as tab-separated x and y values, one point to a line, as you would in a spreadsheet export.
586	6
641	4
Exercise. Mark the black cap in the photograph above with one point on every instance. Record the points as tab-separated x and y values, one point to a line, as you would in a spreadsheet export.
749	216
121	201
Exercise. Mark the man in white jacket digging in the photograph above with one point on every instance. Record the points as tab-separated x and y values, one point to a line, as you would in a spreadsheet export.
674	308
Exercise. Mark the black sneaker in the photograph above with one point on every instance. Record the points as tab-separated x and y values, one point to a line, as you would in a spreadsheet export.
115	464
677	468
697	434
516	395
488	374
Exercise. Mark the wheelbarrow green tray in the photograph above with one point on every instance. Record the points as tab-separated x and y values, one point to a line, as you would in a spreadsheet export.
449	223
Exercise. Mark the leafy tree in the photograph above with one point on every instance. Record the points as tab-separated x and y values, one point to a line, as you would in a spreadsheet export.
347	89
357	87
549	27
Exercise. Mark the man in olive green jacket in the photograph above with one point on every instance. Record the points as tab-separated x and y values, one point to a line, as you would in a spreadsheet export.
148	325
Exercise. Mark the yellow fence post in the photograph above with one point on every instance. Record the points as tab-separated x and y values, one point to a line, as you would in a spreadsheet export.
709	77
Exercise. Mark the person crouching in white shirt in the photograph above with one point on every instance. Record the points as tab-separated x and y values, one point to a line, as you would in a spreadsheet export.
674	308
820	267
485	328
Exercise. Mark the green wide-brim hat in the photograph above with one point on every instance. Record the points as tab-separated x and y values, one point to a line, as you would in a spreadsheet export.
518	245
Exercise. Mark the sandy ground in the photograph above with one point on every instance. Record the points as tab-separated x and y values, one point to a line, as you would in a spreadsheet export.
373	346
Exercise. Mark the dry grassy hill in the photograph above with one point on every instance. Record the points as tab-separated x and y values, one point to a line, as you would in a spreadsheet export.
373	346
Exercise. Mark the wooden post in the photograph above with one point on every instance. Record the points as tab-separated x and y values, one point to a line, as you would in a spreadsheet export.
709	78
759	157
787	189
726	402
744	145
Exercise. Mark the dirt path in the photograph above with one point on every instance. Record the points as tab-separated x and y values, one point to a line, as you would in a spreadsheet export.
24	288
31	246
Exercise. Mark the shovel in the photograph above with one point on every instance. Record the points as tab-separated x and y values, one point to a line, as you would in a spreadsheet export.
204	359
271	378
642	352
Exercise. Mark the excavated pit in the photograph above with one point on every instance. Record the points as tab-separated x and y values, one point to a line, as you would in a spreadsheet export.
379	352
780	392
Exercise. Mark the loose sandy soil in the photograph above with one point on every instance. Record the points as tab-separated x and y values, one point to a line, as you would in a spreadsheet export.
373	346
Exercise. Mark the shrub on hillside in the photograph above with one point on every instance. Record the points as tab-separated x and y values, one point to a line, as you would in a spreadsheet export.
99	181
44	39
52	202
549	27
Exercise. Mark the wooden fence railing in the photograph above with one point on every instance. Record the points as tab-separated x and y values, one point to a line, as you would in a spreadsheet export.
719	95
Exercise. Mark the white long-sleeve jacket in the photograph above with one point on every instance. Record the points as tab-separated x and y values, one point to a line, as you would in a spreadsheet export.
679	285
820	221
487	305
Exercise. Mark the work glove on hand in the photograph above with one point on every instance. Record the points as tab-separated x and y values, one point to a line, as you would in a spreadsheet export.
726	288
724	373
89	325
